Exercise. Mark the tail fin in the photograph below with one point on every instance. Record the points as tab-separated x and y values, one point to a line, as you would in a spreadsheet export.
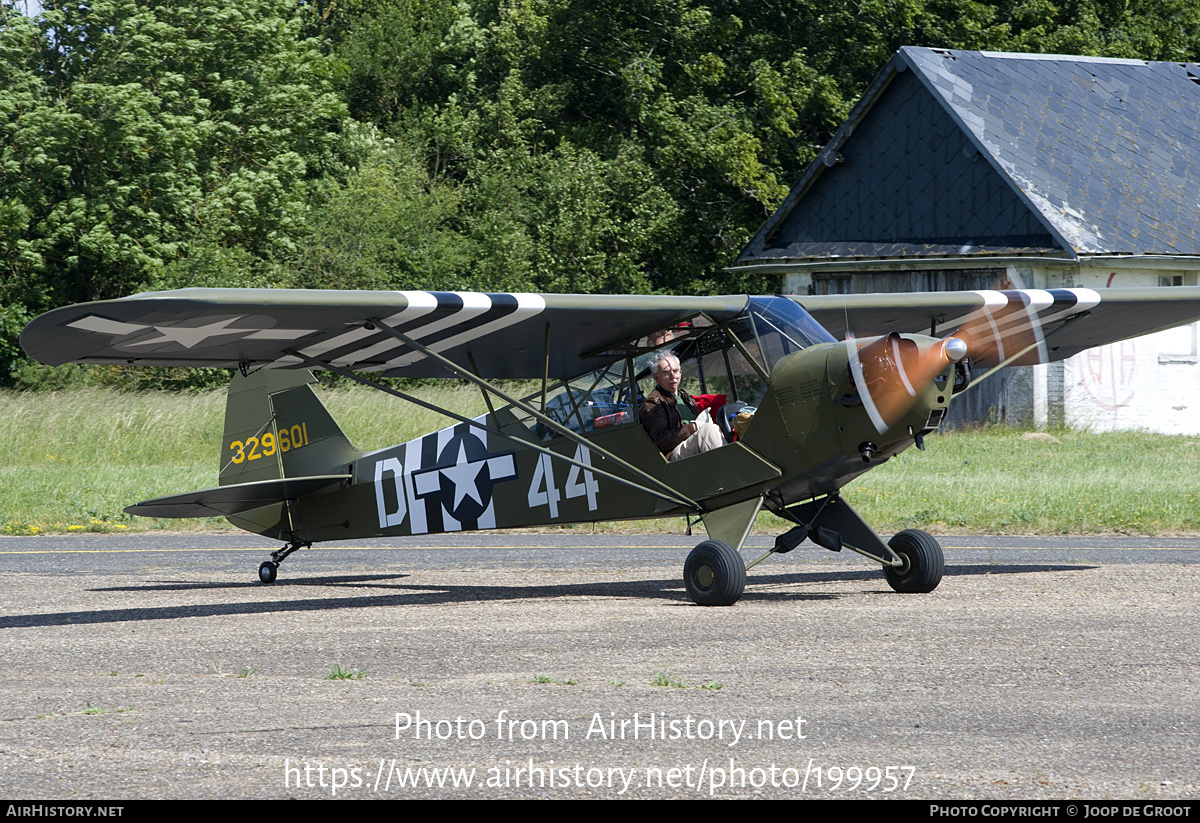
276	426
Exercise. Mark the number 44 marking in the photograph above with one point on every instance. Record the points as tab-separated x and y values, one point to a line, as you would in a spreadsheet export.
544	492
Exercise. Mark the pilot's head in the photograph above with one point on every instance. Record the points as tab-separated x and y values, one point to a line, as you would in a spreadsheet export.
666	373
662	337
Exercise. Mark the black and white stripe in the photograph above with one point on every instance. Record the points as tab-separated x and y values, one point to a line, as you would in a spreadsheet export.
439	320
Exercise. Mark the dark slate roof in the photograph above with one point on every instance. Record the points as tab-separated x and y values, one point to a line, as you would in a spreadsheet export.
982	153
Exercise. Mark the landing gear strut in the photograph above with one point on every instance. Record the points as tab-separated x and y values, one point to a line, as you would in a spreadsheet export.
269	569
912	560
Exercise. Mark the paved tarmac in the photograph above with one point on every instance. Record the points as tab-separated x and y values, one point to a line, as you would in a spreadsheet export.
573	665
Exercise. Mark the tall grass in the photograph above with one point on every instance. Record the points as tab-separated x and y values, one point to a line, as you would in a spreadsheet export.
373	420
998	480
73	460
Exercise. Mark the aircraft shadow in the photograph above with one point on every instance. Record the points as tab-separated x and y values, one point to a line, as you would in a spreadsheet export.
1015	568
396	594
874	575
357	580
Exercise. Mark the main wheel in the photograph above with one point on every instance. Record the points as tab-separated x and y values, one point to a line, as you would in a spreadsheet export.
267	572
715	574
923	563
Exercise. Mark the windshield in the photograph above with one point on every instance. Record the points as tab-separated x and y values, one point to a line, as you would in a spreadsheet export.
732	359
777	327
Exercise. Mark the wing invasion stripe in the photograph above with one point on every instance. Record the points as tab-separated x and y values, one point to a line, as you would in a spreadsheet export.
437	319
438	311
502	306
527	306
373	339
1062	302
452	309
419	303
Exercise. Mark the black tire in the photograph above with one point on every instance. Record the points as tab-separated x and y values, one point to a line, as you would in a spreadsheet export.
924	563
267	572
714	574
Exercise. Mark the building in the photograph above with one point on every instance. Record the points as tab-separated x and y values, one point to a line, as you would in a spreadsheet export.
984	170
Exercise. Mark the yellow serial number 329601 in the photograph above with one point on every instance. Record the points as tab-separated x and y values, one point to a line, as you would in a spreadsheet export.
266	444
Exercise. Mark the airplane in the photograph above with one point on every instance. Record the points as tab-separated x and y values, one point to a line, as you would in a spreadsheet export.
816	391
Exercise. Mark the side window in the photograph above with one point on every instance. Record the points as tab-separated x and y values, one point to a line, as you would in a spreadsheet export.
594	401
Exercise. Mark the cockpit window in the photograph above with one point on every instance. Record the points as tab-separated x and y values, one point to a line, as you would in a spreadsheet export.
596	400
733	359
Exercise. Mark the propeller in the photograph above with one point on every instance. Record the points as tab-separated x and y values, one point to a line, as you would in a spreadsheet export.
1008	329
889	372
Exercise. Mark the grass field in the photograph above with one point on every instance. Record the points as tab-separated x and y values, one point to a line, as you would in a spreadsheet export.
74	460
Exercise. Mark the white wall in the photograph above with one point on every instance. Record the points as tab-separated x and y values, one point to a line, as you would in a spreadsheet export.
1150	382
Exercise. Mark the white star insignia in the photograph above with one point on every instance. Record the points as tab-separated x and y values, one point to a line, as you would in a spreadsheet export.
189	337
464	474
465	477
186	337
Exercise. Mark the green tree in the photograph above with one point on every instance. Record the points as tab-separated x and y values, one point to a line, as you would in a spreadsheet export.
713	108
133	130
393	226
557	145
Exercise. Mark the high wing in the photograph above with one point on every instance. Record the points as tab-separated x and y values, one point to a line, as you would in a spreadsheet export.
495	335
1018	327
561	336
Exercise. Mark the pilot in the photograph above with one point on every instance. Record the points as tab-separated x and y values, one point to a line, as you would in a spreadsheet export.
670	416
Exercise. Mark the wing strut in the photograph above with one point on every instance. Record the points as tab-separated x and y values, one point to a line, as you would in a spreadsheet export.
487	398
672	497
465	374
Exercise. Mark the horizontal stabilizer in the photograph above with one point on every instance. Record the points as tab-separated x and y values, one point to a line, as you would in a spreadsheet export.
241	497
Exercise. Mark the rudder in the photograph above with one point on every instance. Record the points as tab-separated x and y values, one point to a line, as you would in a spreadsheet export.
276	426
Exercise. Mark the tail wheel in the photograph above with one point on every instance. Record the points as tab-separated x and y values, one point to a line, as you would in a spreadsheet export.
923	563
267	572
715	574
